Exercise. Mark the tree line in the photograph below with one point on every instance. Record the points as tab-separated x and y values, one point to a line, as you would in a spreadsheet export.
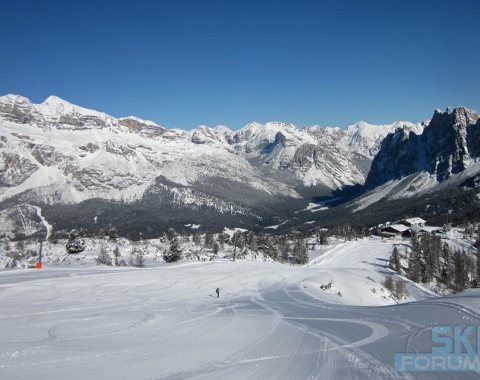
430	259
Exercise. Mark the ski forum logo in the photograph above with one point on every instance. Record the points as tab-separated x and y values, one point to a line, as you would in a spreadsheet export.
452	350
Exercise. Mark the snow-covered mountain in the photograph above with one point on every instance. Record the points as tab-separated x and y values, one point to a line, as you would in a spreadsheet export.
448	146
56	154
413	162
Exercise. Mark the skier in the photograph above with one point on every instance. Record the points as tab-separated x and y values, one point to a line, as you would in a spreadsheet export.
218	292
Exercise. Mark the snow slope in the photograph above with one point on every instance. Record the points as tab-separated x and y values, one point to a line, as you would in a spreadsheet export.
165	321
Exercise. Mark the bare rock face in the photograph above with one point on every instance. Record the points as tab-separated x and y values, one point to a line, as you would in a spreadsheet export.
305	157
47	155
446	142
17	109
14	169
142	127
446	147
90	148
473	141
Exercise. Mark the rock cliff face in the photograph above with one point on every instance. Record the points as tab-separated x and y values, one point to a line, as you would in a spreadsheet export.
447	146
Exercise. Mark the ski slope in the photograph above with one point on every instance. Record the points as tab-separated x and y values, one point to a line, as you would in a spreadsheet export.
272	321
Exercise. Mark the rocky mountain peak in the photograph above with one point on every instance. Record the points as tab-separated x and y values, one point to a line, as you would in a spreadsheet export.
445	148
457	117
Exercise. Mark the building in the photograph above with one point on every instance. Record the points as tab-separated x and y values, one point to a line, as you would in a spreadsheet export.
396	230
414	222
407	227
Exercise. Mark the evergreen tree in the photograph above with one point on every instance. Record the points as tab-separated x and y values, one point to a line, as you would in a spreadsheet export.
171	233
208	239
266	246
460	271
300	253
283	247
174	253
415	260
238	242
222	238
75	243
471	268
477	241
429	249
251	242
112	234
216	248
468	231
395	263
196	238
322	236
446	274
478	269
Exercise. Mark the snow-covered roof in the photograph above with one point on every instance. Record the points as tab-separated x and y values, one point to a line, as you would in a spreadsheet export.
415	221
398	227
432	228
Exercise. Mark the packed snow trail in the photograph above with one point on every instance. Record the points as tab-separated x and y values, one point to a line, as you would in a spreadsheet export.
166	323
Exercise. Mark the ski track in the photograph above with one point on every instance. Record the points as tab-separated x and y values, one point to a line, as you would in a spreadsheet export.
166	323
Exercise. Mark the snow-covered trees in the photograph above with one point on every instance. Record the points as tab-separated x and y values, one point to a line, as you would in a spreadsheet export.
174	253
75	243
137	258
117	258
266	244
103	258
300	252
284	248
395	260
431	260
415	262
238	241
222	238
477	241
209	239
196	238
112	234
322	236
446	271
460	274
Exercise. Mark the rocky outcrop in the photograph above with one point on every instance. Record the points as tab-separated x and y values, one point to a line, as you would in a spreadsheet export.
142	127
446	147
14	169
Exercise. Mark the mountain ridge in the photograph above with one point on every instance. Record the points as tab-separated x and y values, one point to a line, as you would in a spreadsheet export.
56	154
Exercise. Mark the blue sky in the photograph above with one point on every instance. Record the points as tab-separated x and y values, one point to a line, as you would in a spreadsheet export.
183	63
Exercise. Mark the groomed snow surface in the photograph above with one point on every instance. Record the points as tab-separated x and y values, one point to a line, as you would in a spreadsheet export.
272	321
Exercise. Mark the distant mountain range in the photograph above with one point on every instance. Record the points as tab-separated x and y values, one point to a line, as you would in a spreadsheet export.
84	168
